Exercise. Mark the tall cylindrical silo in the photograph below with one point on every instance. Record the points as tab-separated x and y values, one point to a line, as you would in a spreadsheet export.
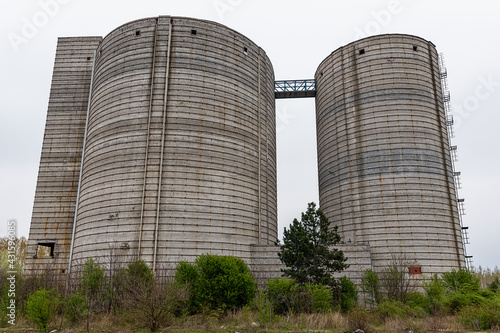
385	172
180	152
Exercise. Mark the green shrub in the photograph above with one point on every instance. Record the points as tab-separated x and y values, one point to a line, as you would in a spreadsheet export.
391	309
495	285
487	293
74	307
92	282
4	303
217	282
359	319
41	308
321	297
462	280
370	286
139	272
435	291
480	318
349	294
154	305
262	305
456	301
284	295
419	303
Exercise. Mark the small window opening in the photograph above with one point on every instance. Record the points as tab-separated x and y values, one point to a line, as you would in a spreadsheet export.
45	250
415	270
88	58
138	32
415	48
193	32
362	51
245	50
63	271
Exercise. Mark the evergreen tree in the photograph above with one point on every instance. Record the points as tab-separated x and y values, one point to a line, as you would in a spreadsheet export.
307	249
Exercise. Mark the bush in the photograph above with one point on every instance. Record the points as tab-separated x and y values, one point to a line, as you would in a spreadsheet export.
435	291
152	300
41	308
359	319
284	295
480	318
462	280
155	304
395	280
321	297
419	303
487	293
92	284
391	309
74	307
4	303
349	294
456	301
217	282
370	286
263	306
495	285
139	272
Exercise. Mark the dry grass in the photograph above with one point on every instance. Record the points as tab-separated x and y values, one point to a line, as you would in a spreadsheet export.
332	321
246	321
446	324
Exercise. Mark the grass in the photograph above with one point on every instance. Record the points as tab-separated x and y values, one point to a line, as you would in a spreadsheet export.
246	320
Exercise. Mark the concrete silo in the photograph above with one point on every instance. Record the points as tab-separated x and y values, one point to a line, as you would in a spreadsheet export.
385	172
179	151
160	144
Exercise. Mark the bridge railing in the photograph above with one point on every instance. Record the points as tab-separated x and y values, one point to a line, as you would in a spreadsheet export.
295	88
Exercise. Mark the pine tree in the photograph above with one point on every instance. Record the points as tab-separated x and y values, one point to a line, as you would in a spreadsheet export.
307	250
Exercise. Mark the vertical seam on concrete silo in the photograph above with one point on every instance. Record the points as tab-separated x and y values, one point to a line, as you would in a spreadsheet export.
259	131
347	146
165	99
81	167
332	58
359	164
443	150
267	175
147	140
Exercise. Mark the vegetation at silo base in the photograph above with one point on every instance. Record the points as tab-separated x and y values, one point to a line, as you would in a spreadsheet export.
130	298
217	283
308	249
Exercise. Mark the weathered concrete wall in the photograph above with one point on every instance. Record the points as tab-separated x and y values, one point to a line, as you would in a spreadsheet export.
181	154
265	263
385	174
54	204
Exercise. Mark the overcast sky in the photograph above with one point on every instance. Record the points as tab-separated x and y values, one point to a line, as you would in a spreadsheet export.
297	36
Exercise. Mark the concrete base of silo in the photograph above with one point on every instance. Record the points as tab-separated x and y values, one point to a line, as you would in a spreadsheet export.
266	265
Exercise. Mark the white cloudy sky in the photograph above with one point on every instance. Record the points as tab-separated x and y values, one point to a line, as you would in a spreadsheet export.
297	36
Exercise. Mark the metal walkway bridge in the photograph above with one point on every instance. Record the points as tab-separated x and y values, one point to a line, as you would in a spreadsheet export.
295	88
